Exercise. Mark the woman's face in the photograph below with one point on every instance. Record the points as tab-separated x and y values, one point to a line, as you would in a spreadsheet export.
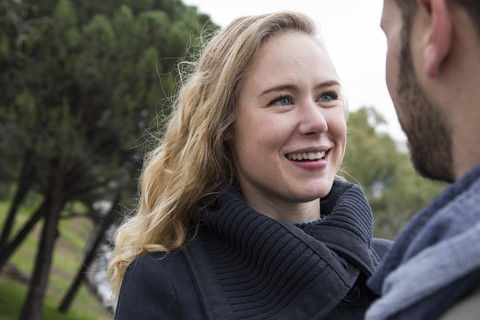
289	137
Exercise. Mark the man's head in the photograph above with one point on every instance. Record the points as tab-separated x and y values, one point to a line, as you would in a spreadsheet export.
422	69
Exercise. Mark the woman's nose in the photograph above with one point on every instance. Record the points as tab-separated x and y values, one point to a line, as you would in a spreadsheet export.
312	119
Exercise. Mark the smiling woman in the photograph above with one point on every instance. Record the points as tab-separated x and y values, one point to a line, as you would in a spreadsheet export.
240	215
289	109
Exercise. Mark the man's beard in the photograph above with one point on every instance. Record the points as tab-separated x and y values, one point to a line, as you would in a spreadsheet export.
428	135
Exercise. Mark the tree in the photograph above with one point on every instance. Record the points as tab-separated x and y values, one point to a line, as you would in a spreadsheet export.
82	82
370	156
98	237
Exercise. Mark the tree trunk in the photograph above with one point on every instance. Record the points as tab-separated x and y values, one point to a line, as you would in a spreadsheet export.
33	305
7	250
99	234
23	185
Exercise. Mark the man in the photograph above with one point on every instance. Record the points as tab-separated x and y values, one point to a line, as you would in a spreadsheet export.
433	75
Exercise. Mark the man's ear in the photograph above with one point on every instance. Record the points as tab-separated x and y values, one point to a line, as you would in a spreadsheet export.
439	41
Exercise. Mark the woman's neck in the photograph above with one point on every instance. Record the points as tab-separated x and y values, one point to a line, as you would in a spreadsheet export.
299	212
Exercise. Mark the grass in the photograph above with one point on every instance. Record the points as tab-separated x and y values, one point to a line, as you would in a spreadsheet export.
67	257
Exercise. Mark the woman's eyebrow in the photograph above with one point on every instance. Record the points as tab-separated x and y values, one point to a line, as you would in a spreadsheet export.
291	87
278	88
330	83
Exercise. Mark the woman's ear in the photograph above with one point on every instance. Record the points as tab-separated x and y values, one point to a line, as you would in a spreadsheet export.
439	40
228	135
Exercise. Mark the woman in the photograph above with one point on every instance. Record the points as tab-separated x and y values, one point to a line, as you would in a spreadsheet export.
241	216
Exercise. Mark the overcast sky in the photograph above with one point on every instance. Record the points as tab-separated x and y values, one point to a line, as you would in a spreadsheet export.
352	34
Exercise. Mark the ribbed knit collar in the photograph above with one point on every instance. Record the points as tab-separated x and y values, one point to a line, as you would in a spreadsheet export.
276	269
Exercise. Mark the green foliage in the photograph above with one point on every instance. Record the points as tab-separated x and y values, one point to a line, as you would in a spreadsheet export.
4	46
69	249
370	156
81	84
84	79
64	14
394	189
407	194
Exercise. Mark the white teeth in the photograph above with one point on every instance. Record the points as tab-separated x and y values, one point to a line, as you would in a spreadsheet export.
306	156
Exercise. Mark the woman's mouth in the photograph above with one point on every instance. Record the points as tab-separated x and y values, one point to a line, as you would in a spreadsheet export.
306	156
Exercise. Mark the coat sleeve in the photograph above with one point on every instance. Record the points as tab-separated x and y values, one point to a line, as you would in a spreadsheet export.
147	292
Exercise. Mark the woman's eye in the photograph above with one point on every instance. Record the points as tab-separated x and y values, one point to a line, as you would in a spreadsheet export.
281	101
328	96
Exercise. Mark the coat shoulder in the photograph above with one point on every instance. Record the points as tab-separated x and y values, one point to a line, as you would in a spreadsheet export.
158	284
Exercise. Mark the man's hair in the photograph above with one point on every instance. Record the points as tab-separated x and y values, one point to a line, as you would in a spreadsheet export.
409	7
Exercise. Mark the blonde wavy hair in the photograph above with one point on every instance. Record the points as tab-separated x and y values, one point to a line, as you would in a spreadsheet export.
192	164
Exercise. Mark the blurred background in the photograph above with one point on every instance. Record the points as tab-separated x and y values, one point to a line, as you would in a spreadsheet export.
84	88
